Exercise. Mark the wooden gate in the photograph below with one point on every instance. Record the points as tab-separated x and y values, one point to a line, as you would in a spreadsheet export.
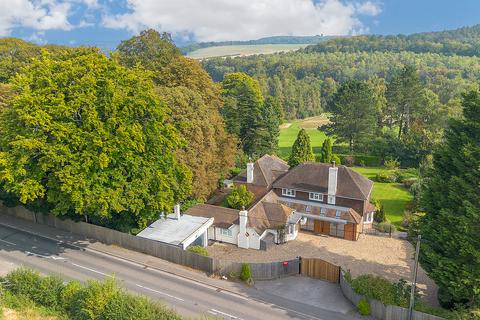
320	269
321	227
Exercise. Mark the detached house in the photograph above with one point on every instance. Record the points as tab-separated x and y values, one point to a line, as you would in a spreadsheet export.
318	197
332	200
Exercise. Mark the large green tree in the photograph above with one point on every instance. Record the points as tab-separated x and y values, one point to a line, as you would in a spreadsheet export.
89	136
301	150
354	114
326	152
194	102
450	251
247	115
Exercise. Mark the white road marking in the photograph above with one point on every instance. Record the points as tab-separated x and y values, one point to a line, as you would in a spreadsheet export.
226	314
44	256
8	242
160	292
92	270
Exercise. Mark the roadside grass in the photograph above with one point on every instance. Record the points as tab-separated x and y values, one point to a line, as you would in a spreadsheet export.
393	196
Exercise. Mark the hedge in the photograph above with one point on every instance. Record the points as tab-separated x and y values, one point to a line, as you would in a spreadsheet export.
99	300
360	160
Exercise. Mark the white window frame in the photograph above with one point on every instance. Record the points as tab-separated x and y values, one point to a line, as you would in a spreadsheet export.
226	232
338	214
323	211
315	196
289	192
308	208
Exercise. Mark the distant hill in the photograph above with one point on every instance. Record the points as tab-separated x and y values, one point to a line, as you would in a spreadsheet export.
268	40
463	41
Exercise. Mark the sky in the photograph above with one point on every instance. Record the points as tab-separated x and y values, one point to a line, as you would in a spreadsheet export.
104	23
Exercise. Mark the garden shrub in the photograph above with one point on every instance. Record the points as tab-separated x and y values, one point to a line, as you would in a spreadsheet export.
378	288
385	177
379	215
69	295
49	293
337	159
364	307
391	164
409	182
198	250
385	227
24	282
245	275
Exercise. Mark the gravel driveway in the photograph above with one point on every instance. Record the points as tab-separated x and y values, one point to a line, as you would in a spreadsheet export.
387	257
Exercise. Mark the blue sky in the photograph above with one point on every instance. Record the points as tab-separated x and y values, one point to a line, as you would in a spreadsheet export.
105	23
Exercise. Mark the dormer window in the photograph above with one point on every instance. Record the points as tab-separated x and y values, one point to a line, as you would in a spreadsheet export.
288	193
315	196
338	214
308	208
322	211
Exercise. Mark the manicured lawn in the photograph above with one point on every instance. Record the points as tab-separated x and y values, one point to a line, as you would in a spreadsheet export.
288	136
393	196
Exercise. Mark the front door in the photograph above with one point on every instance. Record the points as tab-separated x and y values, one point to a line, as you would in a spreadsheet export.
321	227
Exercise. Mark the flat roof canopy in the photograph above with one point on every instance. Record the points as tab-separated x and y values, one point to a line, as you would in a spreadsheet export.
177	231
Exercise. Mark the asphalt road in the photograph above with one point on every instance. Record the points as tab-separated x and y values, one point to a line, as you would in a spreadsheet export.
187	297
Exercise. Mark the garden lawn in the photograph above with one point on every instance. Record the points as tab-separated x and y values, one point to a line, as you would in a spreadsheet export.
393	196
288	136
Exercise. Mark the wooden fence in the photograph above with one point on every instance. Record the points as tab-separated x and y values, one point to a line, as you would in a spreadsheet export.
378	309
259	271
320	269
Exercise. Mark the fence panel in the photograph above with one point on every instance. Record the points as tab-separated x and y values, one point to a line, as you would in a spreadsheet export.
320	269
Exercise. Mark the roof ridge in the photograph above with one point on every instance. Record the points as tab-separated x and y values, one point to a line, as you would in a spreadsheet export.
349	171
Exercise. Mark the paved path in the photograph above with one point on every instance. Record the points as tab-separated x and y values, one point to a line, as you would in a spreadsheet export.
189	292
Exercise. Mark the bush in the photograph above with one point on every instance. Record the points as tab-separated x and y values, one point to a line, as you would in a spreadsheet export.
379	215
385	177
409	182
378	288
24	282
392	164
364	307
385	227
402	174
337	159
198	250
362	160
239	197
245	275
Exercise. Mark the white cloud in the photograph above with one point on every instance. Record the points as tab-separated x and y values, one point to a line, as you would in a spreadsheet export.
369	8
215	20
38	15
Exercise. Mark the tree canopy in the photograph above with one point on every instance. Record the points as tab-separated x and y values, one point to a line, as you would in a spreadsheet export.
450	251
194	102
301	150
89	136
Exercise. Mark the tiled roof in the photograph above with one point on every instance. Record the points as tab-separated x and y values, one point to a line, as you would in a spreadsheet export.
312	176
265	171
223	217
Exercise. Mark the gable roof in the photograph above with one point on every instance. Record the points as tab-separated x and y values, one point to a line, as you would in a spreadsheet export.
266	170
222	217
311	176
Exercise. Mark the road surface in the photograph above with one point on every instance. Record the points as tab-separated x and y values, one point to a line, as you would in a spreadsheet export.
187	297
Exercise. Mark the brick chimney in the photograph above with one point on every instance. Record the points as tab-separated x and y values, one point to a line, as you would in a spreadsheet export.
176	211
250	167
242	234
332	183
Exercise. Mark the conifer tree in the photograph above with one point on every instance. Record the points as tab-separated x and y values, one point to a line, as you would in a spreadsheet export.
450	251
326	153
301	150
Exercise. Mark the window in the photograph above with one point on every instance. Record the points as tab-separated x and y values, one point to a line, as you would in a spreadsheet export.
226	232
288	192
322	211
291	228
315	196
337	230
308	208
331	199
338	214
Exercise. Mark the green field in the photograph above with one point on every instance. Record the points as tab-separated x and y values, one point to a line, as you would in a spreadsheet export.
393	196
243	50
289	131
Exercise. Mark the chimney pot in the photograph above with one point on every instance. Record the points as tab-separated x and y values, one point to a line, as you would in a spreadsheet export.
250	167
176	211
